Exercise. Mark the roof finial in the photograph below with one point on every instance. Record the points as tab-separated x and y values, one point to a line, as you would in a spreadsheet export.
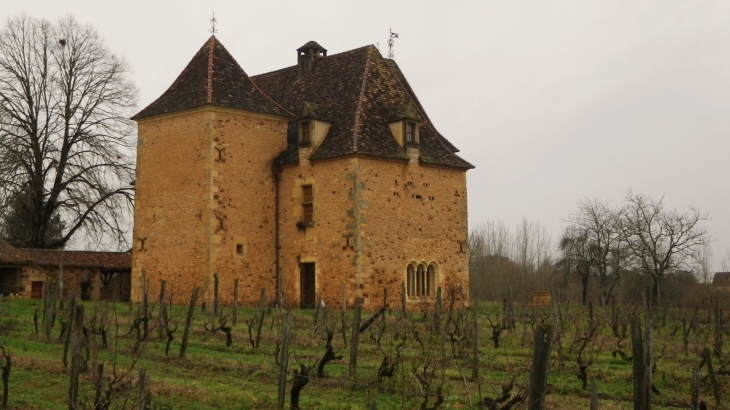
213	22
390	44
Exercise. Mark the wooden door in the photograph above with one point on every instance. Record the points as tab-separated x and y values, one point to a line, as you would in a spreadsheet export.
308	296
36	289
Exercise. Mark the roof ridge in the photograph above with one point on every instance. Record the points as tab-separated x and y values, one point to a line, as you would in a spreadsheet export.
211	49
329	57
256	86
358	111
417	103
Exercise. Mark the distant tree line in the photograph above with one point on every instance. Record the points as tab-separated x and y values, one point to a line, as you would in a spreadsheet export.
605	252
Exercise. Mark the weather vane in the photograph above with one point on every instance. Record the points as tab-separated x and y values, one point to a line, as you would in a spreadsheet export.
213	22
390	44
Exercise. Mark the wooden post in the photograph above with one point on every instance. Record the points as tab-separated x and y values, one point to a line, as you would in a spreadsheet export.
262	299
76	358
403	296
216	294
47	310
695	405
475	359
354	341
317	308
99	402
262	313
162	325
540	362
284	362
685	335
718	329
711	371
511	309
638	364
235	302
145	305
556	315
648	356
343	289
144	403
59	287
189	321
69	328
594	396
373	404
437	311
6	363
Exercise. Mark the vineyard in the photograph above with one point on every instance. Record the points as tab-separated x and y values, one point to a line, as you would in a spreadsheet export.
59	354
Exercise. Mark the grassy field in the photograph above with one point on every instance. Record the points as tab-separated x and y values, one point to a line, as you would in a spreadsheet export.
240	377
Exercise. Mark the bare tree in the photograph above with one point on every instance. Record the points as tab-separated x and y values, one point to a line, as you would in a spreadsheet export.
593	245
579	255
66	143
725	264
706	257
661	242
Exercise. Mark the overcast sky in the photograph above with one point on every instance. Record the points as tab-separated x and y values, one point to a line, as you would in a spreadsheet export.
551	101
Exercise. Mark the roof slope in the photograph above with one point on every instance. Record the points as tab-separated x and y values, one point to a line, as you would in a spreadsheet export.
9	255
363	91
80	259
213	77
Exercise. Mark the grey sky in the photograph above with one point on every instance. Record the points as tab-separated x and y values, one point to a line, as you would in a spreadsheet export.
552	101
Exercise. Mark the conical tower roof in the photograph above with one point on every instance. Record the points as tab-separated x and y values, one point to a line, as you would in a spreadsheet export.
213	77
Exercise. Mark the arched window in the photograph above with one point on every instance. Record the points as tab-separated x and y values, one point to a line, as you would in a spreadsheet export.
421	282
431	279
411	281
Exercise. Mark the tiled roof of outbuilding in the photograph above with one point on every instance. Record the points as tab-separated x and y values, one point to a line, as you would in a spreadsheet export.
80	259
12	256
213	77
363	89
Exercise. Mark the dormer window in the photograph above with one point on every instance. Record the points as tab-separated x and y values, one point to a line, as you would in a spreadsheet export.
306	133
411	133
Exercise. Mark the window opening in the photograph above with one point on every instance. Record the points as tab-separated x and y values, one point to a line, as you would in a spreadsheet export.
307	207
306	137
410	133
239	249
420	281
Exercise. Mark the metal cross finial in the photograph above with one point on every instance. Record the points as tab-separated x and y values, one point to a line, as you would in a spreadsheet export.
390	44
213	22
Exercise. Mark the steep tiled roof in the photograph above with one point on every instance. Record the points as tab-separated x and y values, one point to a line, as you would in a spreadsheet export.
80	259
12	256
363	90
213	77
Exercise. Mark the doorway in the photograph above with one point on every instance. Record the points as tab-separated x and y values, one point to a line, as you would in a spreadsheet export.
36	289
307	289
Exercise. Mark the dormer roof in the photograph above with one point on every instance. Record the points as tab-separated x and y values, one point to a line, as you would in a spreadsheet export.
364	91
213	77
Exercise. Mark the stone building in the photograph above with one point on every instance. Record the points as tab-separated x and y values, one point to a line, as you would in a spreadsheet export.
317	179
92	275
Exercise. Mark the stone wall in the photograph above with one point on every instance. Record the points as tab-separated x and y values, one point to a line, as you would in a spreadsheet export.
204	186
372	217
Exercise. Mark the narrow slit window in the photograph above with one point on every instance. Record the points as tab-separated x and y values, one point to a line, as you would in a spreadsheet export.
307	206
306	136
239	249
410	133
411	281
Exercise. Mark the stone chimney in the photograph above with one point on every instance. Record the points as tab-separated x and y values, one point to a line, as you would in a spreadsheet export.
307	55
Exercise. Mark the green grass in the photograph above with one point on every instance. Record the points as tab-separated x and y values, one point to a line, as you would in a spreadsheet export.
239	377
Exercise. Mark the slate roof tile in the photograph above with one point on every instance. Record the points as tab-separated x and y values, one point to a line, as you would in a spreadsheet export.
364	90
213	77
10	255
80	259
